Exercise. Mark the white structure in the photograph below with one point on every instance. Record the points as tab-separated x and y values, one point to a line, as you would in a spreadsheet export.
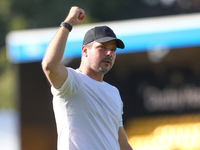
175	31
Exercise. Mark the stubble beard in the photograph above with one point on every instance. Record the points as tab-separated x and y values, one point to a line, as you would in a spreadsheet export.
101	69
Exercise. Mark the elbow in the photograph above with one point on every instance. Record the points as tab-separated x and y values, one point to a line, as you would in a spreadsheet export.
46	67
49	67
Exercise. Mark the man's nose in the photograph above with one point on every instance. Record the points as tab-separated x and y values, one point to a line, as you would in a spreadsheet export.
109	52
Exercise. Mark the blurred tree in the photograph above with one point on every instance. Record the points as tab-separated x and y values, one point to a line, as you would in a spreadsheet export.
48	13
23	14
7	82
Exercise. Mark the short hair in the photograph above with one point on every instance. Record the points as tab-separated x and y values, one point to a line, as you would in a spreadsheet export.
89	45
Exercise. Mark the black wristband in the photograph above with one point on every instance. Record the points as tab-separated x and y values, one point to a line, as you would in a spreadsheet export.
66	25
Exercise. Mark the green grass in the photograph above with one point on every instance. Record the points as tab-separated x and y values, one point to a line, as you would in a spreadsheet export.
8	82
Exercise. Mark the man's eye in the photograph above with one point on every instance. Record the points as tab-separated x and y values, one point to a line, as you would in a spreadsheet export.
114	50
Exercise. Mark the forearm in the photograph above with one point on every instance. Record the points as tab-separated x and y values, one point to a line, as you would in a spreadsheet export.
126	147
56	48
123	142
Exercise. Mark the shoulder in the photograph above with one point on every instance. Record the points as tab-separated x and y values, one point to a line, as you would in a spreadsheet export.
71	84
73	72
111	86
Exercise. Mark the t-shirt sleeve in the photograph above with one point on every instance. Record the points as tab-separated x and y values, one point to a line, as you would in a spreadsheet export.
70	86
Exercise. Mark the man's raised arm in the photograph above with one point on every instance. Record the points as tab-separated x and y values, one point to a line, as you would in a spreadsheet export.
55	72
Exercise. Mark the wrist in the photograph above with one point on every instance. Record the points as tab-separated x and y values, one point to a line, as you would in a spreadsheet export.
68	20
66	25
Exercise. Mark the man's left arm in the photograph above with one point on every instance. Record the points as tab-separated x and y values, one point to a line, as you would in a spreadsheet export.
123	142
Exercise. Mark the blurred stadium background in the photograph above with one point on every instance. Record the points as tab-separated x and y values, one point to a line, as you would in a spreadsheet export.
158	74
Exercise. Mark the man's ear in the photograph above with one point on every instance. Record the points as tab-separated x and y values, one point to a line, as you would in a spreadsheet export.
84	51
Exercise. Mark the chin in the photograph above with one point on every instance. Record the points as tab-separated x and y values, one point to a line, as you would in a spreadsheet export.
103	71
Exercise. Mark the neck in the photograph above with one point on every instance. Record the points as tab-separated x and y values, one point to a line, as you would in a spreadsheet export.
91	73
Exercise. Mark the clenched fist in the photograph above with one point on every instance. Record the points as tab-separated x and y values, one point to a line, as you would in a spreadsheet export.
75	16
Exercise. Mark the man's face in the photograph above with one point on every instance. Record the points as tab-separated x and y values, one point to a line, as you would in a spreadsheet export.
101	56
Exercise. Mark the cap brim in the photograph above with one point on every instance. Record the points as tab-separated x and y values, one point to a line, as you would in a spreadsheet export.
120	44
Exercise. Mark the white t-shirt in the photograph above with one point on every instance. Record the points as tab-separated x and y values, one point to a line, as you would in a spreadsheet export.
88	113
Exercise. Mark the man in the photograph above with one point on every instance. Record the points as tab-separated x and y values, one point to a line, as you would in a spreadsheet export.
88	111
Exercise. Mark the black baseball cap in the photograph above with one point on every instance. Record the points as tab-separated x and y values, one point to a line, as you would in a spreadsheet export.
102	34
